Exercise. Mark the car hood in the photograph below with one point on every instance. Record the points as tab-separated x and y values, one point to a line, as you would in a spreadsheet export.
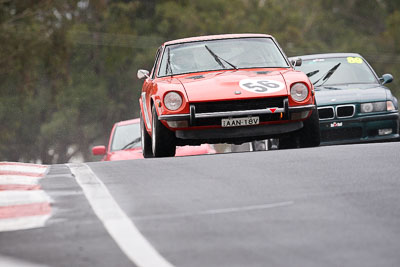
225	85
127	154
351	93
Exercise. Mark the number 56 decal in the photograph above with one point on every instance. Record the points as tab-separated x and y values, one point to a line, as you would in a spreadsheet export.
261	86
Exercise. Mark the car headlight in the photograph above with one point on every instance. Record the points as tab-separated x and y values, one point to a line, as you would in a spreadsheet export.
374	107
299	92
173	100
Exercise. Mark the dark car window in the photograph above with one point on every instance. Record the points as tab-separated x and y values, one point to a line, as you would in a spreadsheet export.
125	137
350	70
153	70
221	54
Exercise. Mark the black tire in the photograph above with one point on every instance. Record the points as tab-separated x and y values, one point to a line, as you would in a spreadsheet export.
310	135
146	139
163	140
288	141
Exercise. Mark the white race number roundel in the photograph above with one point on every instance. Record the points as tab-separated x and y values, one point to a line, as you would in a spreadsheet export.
261	86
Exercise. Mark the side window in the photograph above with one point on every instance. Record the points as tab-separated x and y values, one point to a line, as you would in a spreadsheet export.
153	70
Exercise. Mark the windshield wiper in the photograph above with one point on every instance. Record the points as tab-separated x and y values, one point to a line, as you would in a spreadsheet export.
137	140
168	67
327	75
218	59
332	88
318	88
312	73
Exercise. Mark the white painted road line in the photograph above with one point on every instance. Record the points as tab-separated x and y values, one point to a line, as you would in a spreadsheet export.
15	197
117	223
217	211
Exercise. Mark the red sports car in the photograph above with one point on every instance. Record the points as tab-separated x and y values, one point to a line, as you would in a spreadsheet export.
125	139
231	88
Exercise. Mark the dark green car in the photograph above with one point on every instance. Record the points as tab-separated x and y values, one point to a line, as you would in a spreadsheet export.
353	104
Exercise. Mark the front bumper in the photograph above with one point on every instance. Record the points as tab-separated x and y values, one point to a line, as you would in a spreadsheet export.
286	112
238	134
206	126
371	128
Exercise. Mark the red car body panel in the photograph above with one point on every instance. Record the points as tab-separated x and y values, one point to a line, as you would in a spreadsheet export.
227	82
194	150
126	154
136	153
219	85
200	90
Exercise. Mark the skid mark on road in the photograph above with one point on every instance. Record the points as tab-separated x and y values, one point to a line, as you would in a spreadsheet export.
117	223
216	211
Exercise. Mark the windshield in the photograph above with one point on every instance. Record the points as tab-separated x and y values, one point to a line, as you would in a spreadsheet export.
126	136
209	55
348	70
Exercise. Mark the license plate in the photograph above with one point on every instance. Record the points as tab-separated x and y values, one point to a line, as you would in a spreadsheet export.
234	122
336	124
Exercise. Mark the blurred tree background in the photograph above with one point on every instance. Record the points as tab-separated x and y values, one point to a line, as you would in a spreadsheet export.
68	67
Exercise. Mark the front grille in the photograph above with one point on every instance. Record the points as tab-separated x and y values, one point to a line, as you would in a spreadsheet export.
373	133
326	113
341	134
236	105
345	111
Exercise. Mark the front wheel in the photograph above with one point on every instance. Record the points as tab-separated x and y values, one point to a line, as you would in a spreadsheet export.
310	135
146	140
288	141
162	139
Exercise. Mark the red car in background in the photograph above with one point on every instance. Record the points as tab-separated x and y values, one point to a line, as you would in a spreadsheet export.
125	143
231	88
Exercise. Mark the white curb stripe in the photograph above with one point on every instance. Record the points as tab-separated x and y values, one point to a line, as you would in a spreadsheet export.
23	168
117	223
22	197
11	262
23	223
18	179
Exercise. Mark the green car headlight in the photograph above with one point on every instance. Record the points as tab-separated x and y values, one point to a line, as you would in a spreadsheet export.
373	107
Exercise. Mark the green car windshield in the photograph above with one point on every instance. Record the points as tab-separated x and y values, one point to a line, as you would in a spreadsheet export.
126	136
341	70
236	53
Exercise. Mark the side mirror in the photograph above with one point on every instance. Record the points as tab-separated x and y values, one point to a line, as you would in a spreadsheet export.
296	62
141	74
386	78
99	150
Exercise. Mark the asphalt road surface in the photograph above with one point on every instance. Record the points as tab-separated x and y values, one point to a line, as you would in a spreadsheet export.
326	206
